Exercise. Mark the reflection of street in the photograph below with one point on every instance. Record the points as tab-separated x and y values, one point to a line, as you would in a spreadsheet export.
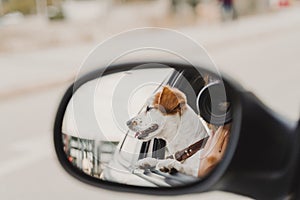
89	156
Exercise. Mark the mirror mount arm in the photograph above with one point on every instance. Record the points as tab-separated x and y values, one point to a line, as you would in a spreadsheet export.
264	163
296	183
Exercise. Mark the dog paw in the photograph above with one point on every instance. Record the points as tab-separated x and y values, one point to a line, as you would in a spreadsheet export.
169	165
147	163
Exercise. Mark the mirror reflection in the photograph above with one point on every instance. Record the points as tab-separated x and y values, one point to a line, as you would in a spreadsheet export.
153	127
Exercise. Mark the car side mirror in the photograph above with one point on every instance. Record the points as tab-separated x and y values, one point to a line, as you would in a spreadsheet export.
130	122
169	127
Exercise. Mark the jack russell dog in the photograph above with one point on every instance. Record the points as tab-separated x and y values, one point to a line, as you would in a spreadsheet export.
168	116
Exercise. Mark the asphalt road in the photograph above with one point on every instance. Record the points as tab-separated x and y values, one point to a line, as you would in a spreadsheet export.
264	62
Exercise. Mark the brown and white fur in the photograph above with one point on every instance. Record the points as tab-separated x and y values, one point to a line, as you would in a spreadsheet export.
168	116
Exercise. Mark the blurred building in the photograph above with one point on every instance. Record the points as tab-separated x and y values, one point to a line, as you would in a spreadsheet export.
90	156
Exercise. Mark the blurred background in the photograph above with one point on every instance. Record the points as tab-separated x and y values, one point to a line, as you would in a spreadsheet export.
43	24
43	43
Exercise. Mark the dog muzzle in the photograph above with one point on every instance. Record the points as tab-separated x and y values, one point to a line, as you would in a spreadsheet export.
143	134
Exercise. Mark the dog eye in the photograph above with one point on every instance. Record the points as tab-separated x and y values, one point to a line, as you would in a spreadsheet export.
148	108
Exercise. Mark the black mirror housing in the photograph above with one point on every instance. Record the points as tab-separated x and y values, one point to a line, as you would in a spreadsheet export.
261	160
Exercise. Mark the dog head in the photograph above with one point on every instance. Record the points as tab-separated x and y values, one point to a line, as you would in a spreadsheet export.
162	110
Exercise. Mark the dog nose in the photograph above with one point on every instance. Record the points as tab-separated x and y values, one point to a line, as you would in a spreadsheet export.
131	122
128	122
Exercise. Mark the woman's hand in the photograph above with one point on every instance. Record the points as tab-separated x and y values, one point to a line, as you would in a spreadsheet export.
214	150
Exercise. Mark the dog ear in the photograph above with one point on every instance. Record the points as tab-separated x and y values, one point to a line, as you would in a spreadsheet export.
170	100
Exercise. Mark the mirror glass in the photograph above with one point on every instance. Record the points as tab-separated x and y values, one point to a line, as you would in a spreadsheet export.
148	126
